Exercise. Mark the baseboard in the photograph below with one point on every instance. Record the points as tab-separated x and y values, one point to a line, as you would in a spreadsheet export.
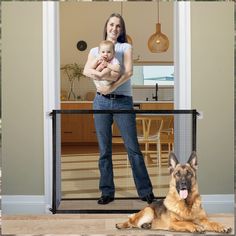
27	204
219	203
23	204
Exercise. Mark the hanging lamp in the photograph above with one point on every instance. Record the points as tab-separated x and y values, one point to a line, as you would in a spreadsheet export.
129	39
158	42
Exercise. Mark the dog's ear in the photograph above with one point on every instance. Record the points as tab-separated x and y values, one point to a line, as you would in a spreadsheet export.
173	161
193	160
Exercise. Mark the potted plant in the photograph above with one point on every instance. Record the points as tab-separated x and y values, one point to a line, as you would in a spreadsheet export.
73	71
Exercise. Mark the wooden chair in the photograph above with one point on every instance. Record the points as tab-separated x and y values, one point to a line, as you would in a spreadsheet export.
151	129
167	132
149	132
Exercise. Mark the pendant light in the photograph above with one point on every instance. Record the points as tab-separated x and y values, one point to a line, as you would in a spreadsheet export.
158	42
129	39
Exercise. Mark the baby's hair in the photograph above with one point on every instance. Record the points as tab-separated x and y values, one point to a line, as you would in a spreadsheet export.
107	42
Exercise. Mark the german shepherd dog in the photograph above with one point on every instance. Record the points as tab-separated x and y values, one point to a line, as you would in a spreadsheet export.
181	210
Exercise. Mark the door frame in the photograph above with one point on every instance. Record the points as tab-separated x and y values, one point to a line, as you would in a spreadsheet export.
182	55
51	74
51	89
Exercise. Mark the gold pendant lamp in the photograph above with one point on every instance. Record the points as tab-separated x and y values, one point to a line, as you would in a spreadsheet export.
158	42
129	39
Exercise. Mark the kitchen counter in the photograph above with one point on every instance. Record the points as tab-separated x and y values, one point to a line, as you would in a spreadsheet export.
143	105
77	128
138	102
64	102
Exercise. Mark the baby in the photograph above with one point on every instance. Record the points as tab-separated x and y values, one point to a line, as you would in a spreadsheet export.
106	66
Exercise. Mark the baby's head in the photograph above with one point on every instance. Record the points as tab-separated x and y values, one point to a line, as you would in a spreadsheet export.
106	50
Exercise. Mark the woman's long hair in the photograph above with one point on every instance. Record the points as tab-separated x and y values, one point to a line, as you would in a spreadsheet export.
122	37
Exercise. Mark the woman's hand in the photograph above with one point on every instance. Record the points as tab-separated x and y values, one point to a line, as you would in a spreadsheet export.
104	63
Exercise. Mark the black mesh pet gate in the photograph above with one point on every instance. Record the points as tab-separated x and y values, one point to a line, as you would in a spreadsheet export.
76	154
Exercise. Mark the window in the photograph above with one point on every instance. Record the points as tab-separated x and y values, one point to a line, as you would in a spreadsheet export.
152	74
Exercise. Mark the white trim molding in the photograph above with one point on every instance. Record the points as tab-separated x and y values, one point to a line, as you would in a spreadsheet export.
182	77
182	55
23	204
51	85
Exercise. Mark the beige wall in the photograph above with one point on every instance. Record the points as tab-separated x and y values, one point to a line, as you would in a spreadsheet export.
213	93
76	24
22	98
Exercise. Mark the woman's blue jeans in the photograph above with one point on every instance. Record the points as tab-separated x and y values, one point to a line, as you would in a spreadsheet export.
127	126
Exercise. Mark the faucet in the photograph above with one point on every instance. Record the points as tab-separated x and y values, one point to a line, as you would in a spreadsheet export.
156	96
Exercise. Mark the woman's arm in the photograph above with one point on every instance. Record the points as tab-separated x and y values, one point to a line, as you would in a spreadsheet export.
90	68
128	72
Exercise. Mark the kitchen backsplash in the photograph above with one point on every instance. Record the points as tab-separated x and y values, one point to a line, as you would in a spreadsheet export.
143	93
140	93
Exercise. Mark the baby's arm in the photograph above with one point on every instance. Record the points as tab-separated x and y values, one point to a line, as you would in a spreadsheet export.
98	68
90	67
114	67
100	65
105	70
114	70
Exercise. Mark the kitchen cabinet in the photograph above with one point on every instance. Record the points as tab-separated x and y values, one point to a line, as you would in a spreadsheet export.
157	106
79	128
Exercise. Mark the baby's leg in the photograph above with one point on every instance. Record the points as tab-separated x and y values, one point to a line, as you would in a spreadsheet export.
105	72
114	75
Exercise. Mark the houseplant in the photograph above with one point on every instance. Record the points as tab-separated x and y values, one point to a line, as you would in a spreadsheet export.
72	71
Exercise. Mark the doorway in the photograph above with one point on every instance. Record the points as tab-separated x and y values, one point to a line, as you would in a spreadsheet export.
177	103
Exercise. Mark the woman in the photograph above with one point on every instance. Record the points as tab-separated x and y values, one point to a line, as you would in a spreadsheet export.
117	96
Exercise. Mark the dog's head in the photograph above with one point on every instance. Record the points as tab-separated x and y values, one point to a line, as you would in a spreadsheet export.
183	176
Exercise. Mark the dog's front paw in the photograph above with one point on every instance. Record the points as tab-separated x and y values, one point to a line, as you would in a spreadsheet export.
200	229
146	226
219	228
194	228
225	229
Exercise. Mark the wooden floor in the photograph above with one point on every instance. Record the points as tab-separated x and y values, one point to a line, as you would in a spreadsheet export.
80	176
80	173
85	224
80	179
